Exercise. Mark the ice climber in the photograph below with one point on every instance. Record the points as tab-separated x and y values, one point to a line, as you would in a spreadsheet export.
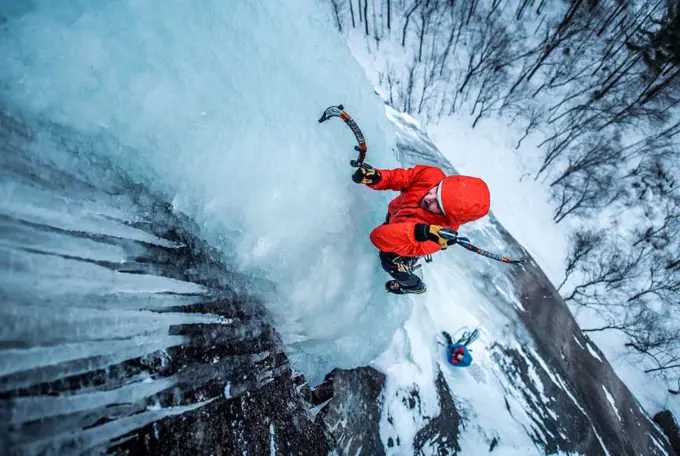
429	201
457	353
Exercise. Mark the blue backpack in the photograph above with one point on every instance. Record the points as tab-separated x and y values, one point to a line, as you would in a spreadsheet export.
460	347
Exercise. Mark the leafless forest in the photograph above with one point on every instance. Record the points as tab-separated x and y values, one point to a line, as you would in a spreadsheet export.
599	82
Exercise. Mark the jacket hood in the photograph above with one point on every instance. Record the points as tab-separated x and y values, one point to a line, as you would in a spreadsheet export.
463	198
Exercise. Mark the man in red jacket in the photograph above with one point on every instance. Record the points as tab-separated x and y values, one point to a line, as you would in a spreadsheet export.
428	202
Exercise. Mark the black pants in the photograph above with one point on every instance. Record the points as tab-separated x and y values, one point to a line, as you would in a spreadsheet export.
400	269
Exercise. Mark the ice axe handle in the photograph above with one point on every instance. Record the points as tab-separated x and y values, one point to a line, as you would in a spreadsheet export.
446	233
356	164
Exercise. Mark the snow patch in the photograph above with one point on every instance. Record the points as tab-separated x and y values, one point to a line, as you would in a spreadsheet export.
272	440
658	444
599	439
578	342
593	353
610	398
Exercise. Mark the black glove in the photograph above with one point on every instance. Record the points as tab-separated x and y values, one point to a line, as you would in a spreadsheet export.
433	233
369	176
447	337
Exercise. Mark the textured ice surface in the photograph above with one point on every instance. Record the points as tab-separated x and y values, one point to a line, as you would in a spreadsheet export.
215	105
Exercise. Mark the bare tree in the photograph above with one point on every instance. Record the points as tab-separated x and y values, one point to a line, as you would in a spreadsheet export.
661	282
426	12
561	34
534	120
335	5
351	12
661	235
605	153
658	343
407	18
677	389
366	16
589	189
601	81
582	245
611	269
389	14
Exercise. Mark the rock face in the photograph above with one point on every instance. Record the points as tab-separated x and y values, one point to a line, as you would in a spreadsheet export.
272	418
670	427
570	430
353	414
440	435
586	375
120	332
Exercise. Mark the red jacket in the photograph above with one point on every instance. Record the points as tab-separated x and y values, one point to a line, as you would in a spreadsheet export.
465	199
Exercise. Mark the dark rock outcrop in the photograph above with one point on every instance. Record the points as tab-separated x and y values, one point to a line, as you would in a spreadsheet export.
98	365
585	374
352	416
272	418
440	435
670	427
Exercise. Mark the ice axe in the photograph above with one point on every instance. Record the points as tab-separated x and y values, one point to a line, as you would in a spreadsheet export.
338	111
452	235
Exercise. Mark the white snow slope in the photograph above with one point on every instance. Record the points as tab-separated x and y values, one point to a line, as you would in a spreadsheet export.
464	291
